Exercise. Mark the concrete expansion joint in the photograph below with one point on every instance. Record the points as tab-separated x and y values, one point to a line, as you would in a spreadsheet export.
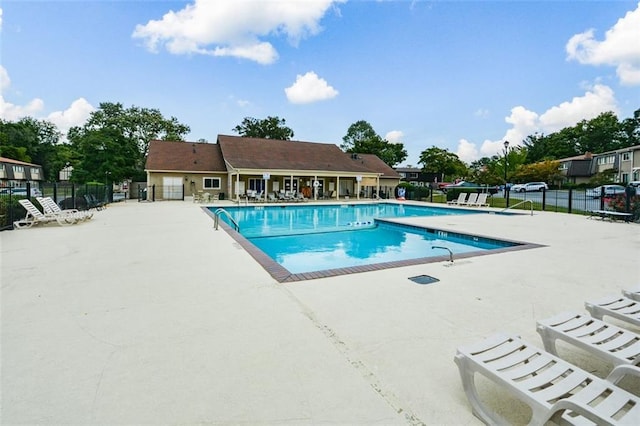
367	374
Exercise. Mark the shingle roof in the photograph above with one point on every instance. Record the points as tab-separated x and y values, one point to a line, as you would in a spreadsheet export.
270	154
22	163
185	156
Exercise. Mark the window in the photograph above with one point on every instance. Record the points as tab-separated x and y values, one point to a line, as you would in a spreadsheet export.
625	156
18	169
211	183
35	171
609	159
564	166
414	175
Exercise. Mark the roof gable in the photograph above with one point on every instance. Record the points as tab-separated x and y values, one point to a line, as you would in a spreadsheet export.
271	154
185	156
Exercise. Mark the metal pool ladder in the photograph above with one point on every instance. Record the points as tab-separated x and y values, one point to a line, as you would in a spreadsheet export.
217	214
521	202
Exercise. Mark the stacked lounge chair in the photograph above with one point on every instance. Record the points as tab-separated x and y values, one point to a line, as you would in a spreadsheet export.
553	388
36	217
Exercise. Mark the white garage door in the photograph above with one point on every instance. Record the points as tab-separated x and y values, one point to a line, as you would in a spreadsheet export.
172	188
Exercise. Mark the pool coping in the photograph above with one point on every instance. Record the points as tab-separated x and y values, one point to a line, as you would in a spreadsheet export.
283	275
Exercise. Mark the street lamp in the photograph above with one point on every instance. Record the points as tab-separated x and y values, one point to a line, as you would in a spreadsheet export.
506	162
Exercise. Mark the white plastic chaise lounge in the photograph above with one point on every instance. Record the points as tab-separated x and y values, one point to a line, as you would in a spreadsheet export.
553	388
50	206
36	217
618	307
632	293
481	201
606	341
462	197
473	197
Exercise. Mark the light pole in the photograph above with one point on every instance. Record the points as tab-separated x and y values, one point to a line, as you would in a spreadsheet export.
506	163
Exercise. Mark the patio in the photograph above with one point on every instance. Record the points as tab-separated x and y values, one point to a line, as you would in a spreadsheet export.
146	314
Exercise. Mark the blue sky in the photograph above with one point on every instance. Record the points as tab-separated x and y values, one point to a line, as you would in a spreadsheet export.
460	75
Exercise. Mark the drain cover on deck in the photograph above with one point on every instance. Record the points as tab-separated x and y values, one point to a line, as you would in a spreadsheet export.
424	279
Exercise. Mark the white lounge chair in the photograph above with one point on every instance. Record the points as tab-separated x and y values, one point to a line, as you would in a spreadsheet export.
36	217
462	197
606	341
632	293
619	307
481	201
50	206
473	197
554	389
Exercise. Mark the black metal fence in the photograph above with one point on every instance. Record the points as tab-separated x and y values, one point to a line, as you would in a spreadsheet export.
66	195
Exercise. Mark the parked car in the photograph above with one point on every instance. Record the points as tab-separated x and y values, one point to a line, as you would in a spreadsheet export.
21	192
473	187
608	190
531	186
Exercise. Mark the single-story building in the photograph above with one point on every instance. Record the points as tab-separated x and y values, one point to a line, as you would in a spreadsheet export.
234	165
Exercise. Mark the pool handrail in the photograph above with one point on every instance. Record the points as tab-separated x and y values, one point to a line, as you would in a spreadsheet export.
217	214
517	204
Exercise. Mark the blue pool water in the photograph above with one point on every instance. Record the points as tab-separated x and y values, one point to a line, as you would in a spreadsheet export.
384	243
315	238
261	221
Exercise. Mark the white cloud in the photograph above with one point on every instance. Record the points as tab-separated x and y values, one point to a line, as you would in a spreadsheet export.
75	115
309	88
5	81
595	101
394	136
467	151
620	48
234	27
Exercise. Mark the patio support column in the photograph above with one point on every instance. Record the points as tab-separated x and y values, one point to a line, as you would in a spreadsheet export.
378	186
337	187
238	186
314	188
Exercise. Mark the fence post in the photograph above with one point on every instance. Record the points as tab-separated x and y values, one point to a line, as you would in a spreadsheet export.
507	191
602	197
153	192
73	195
55	192
569	200
183	192
544	199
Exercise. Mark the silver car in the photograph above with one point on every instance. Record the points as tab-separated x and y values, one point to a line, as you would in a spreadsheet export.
608	190
531	186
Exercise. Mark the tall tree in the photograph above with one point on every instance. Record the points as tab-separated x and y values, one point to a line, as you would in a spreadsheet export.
102	155
362	139
31	140
139	125
132	128
268	128
438	160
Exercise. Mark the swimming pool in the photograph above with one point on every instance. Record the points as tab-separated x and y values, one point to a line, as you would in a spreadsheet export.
304	242
263	221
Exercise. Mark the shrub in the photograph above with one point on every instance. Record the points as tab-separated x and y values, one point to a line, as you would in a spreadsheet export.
618	203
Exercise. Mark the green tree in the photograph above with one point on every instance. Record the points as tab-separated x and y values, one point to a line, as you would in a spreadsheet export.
268	128
438	160
102	155
131	129
31	140
630	130
362	139
544	171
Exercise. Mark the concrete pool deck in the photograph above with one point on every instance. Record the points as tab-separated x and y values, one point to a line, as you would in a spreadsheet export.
146	314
